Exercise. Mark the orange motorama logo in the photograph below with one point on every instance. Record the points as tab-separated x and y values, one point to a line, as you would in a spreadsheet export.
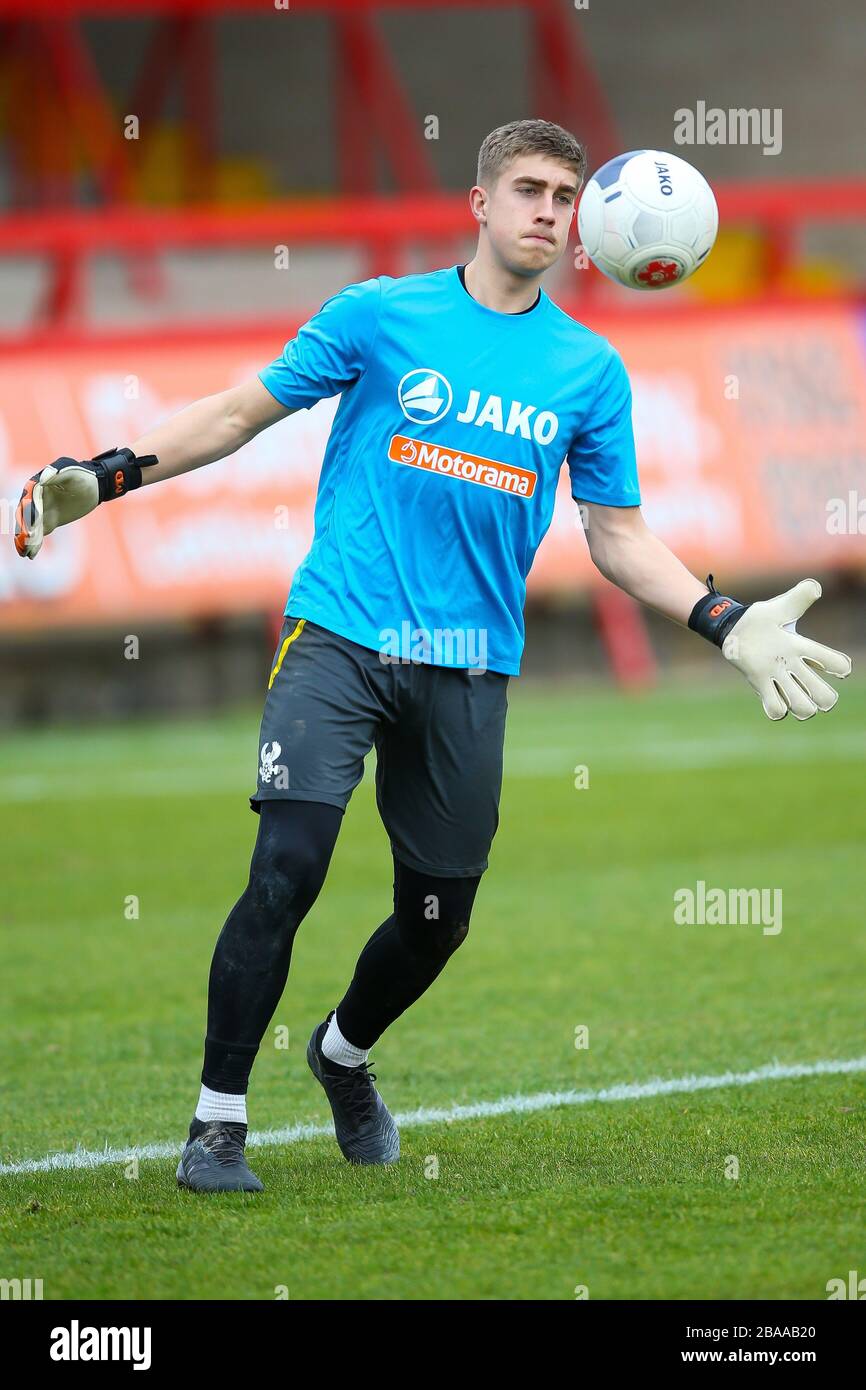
472	468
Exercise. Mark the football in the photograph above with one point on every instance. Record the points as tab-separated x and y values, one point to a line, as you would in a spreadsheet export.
647	219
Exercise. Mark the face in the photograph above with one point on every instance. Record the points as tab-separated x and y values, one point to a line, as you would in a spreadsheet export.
529	212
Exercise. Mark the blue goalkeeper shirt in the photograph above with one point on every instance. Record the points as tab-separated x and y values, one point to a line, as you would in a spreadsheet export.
440	472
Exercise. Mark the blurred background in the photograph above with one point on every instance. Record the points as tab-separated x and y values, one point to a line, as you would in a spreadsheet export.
182	184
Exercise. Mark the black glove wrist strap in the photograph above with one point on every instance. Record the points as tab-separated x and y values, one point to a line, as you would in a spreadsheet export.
715	614
118	471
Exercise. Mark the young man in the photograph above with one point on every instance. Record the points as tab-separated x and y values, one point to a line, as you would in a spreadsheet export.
462	393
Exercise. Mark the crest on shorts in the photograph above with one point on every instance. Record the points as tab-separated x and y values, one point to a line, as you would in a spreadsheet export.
269	754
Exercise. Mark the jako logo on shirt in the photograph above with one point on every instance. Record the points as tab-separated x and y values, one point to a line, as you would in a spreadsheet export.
425	396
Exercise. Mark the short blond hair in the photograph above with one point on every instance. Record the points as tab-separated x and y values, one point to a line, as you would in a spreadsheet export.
507	142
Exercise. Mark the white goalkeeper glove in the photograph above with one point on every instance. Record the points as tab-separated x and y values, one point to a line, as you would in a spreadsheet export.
762	641
68	489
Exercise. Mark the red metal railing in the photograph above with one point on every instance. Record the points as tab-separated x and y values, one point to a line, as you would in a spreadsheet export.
384	229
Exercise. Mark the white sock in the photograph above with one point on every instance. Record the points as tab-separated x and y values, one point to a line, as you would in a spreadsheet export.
338	1049
221	1105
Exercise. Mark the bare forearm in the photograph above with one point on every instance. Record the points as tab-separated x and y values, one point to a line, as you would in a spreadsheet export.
203	432
643	566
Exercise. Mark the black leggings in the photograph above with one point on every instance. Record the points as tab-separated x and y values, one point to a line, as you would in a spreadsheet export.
251	961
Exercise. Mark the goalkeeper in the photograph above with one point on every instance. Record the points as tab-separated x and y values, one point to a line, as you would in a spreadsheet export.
463	391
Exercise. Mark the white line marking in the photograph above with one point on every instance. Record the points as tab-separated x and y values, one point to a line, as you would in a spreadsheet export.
524	763
484	1109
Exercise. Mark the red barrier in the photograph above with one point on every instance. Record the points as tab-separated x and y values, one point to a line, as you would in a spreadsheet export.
750	431
385	229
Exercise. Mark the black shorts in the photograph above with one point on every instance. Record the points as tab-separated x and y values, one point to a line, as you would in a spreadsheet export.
438	733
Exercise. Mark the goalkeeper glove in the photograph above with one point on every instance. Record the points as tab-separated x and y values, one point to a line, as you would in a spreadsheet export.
68	489
762	641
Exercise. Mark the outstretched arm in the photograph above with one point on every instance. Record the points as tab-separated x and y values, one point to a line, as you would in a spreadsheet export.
760	639
328	354
209	429
203	432
628	553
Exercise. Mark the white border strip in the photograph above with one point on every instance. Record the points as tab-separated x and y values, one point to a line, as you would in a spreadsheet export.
508	1105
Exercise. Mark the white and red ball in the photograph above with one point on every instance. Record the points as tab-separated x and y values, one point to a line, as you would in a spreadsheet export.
647	219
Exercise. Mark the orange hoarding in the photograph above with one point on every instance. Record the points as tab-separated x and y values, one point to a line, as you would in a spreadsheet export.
751	439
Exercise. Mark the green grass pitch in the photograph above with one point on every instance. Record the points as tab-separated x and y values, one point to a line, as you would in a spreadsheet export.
573	928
